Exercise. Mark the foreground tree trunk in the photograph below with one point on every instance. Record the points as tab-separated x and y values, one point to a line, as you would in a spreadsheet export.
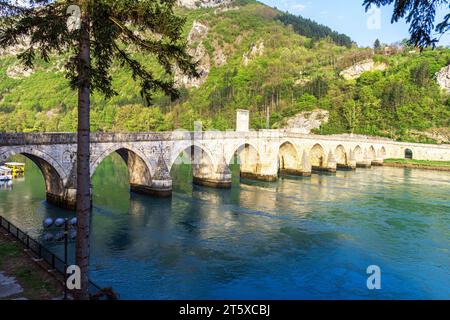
83	155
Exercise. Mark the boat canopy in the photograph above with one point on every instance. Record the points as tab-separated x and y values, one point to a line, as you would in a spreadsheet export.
15	164
5	170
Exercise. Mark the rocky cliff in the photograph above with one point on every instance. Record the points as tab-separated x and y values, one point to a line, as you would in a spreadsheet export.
443	78
195	4
305	122
355	71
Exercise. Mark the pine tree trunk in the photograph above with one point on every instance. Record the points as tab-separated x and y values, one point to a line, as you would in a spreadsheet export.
83	155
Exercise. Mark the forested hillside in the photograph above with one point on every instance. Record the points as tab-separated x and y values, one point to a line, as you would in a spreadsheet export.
252	57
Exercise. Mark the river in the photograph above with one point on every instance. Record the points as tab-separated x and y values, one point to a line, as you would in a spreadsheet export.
298	238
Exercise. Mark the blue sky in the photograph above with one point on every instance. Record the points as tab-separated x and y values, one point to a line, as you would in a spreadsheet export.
349	17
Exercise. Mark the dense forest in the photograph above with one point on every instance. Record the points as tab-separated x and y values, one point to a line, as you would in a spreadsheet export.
313	30
253	57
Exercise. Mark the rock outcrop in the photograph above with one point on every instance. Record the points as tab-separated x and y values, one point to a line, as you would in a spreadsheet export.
305	122
198	32
22	45
256	50
443	78
18	71
195	4
355	71
220	58
199	54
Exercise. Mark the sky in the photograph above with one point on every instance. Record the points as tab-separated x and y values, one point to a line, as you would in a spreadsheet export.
350	17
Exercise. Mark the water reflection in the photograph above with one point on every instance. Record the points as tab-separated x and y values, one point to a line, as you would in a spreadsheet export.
297	238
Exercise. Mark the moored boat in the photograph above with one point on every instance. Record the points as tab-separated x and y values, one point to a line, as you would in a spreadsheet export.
5	173
17	168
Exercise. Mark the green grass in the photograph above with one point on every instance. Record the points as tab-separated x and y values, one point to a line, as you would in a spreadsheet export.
8	250
15	263
32	280
419	162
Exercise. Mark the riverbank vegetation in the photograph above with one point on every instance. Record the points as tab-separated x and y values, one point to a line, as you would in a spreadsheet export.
418	163
292	65
35	282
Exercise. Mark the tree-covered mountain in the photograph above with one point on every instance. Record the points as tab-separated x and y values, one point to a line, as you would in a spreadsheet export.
251	57
313	30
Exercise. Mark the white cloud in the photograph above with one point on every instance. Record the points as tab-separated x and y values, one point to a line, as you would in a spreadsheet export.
298	7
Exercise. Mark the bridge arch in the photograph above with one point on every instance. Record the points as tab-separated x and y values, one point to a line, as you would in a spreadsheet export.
317	157
372	155
197	156
247	156
139	168
289	158
409	154
54	175
358	154
341	155
190	149
383	153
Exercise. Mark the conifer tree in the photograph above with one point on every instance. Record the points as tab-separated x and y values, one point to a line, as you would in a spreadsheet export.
94	34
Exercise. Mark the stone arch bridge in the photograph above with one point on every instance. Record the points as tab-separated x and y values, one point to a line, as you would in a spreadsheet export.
262	155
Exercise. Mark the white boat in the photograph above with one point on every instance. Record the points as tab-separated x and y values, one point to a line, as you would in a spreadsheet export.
5	174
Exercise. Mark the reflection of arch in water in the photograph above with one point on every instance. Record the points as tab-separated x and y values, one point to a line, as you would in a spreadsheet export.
317	157
409	154
289	159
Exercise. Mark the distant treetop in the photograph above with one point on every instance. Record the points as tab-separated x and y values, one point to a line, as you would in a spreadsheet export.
311	29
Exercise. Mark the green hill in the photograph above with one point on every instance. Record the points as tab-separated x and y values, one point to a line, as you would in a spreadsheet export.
251	57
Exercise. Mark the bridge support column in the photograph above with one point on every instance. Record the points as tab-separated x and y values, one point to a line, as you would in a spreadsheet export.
264	172
306	165
220	178
158	188
332	163
141	182
365	163
378	162
67	199
302	169
259	176
350	165
352	160
260	169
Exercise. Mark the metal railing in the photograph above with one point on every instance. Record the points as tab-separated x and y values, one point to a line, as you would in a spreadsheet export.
40	251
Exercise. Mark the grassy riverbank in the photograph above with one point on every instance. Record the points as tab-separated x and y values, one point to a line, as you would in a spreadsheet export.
36	283
418	164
